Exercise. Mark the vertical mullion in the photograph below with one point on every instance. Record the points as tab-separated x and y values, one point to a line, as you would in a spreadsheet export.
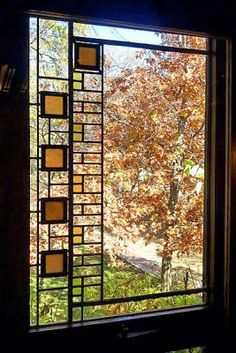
37	101
102	178
70	172
49	183
82	298
207	172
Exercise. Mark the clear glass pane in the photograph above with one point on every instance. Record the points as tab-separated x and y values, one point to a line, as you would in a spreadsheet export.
140	36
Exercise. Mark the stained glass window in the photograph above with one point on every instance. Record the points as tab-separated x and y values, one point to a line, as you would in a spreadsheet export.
117	185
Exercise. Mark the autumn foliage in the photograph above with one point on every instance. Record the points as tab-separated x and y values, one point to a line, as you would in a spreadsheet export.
154	152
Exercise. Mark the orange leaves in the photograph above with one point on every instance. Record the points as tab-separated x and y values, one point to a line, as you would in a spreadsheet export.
154	121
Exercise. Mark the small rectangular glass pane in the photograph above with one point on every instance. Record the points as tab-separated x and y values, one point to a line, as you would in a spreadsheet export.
77	76
77	188
77	240
77	85
77	137
78	179
77	230
78	127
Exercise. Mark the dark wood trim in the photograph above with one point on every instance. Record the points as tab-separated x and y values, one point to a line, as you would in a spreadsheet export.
179	328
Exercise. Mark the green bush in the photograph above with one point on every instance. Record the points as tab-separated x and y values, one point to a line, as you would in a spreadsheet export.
119	282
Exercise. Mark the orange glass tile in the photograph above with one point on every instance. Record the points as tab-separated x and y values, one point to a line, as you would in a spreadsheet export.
77	179
77	240
87	56
77	188
54	263
54	105
77	230
54	158
54	211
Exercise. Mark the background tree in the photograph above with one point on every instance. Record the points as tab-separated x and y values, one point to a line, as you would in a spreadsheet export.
154	152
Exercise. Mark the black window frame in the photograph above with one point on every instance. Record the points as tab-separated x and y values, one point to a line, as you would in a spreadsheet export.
125	331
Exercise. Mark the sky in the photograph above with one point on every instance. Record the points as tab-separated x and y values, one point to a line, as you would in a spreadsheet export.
122	34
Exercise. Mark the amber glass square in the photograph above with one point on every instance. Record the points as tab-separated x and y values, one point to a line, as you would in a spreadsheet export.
87	56
54	157
78	188
54	210
53	105
78	128
53	263
77	179
77	230
77	240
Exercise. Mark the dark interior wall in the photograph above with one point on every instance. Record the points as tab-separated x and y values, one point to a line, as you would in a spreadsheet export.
215	17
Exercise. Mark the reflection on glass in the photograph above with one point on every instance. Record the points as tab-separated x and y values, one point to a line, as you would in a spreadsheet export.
140	36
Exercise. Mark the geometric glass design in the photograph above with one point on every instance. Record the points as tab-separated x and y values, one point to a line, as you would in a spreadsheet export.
78	184
53	105
54	157
53	263
87	56
54	210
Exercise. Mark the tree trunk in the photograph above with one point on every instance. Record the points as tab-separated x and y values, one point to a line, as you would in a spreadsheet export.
176	177
166	273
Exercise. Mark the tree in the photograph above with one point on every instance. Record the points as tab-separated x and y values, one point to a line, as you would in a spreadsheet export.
154	140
